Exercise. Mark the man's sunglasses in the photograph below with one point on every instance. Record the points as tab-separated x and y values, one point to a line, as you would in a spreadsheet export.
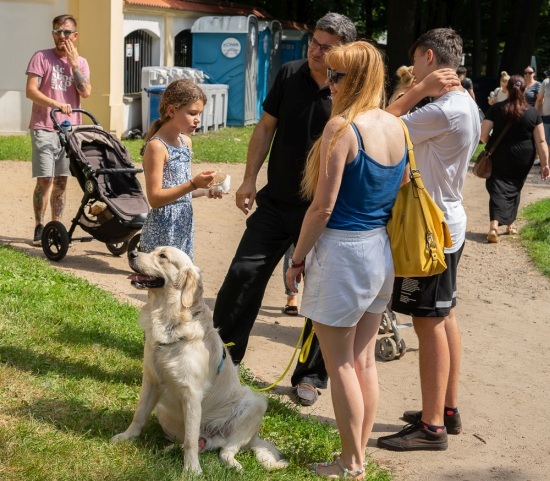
59	31
313	44
333	76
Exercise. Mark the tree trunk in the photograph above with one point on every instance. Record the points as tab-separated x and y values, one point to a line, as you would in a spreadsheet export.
401	33
493	44
520	39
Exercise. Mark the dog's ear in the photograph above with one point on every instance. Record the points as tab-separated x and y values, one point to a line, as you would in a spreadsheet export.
191	287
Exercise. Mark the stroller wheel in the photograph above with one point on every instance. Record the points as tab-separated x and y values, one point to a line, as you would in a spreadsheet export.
402	347
133	243
117	249
386	348
55	240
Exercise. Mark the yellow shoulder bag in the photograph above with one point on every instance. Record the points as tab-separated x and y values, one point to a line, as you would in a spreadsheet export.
417	231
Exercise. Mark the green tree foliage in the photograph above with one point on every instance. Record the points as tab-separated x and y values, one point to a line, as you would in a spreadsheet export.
498	34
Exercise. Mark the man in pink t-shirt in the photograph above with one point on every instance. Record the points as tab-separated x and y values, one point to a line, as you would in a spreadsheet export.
56	79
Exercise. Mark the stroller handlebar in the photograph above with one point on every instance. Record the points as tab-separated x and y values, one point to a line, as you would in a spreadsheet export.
118	171
56	123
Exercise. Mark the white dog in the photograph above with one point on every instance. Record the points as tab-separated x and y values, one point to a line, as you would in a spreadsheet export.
188	374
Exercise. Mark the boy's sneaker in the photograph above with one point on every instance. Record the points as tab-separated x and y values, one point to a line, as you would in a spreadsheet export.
452	422
415	437
37	239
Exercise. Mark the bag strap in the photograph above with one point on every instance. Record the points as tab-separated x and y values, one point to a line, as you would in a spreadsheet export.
499	138
415	173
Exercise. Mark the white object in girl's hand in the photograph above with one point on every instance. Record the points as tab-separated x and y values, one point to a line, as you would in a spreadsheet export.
221	183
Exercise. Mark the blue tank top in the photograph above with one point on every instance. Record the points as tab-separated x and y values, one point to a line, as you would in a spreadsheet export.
367	193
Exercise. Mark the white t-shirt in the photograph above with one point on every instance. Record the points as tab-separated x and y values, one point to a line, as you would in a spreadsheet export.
445	134
545	91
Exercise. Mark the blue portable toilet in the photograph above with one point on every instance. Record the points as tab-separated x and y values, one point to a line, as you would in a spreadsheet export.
264	60
293	45
275	61
225	49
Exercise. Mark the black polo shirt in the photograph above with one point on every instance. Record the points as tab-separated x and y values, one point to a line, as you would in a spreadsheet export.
302	110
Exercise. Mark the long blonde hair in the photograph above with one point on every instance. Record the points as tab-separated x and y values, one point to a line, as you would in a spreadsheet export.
361	89
179	93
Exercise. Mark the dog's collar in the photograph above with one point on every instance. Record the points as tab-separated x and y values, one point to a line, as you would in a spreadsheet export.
224	355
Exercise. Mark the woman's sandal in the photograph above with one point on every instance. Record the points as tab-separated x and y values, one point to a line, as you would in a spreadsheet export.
512	230
342	473
492	236
290	310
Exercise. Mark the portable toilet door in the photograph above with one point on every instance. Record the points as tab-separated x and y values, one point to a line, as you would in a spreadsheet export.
294	45
225	49
275	60
264	57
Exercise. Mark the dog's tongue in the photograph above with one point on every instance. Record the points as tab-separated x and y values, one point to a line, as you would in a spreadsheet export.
138	277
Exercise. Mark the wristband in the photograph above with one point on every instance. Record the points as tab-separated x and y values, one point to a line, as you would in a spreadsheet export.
296	265
193	184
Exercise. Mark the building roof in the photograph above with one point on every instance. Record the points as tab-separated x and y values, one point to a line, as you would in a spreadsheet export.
213	7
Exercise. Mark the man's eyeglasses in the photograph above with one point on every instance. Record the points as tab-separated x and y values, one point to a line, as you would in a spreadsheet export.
526	72
313	44
333	76
67	33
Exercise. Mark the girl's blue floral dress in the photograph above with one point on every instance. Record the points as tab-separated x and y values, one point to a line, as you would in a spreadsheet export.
172	224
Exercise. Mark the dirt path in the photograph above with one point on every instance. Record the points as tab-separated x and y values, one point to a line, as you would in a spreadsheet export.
503	313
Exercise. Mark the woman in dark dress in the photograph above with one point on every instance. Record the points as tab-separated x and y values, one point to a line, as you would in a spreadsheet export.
514	156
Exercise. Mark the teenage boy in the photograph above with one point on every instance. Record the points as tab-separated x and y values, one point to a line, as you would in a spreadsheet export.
445	134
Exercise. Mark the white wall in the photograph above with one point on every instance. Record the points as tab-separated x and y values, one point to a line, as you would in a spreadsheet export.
25	29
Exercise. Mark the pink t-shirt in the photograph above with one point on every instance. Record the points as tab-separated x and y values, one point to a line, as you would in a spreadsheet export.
56	83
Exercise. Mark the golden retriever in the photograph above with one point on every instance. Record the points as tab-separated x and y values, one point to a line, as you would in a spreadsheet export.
188	375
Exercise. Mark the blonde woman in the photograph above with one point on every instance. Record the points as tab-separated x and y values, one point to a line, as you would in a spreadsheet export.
352	176
406	81
500	94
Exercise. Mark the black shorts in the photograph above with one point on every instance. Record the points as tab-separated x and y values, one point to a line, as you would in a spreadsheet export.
428	296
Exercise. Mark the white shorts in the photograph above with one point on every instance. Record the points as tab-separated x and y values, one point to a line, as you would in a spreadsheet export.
347	273
49	158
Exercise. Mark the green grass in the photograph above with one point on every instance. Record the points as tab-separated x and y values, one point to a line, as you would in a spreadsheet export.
227	145
535	235
70	374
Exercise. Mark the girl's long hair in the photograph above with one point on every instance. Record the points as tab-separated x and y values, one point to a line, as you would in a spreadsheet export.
360	90
515	105
179	93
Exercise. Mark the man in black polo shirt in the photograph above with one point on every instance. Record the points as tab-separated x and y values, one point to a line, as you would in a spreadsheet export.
295	112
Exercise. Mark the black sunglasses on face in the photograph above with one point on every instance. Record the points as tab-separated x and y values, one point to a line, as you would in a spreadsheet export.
333	76
67	33
528	73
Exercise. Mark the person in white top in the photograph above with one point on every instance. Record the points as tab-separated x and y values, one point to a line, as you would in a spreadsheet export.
500	94
542	104
445	134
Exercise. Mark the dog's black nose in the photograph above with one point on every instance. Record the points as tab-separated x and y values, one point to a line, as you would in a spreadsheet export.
133	254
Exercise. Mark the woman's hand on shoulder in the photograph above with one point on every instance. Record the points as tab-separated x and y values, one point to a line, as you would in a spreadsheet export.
439	82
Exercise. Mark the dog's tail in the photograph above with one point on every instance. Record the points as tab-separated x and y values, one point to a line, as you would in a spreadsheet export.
267	455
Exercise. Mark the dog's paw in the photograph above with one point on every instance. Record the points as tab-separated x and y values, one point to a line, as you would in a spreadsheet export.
192	468
121	437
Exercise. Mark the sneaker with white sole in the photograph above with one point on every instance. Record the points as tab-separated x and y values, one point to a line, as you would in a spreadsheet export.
37	239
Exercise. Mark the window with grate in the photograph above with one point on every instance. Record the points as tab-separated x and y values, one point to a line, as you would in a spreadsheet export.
138	52
182	49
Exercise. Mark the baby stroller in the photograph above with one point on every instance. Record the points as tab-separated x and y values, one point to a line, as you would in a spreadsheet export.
392	346
113	208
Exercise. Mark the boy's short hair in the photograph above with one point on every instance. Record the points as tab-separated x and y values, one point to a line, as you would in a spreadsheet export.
462	70
445	43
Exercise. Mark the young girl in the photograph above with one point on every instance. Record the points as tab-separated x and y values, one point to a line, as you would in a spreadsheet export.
167	165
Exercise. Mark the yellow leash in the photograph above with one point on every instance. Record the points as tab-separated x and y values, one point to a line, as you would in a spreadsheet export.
303	356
